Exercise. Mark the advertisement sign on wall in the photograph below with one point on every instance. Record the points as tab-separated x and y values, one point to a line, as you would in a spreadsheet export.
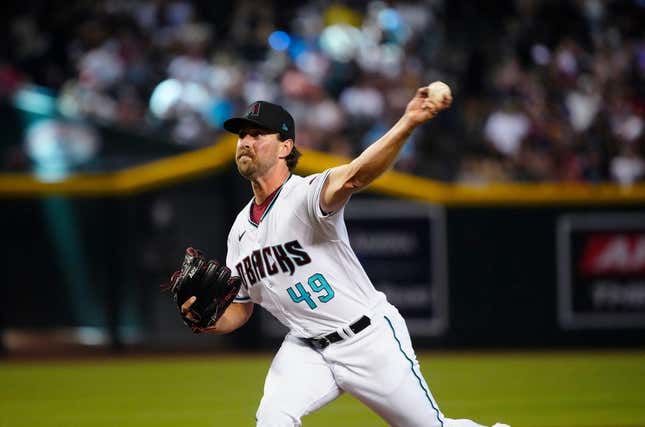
401	246
601	271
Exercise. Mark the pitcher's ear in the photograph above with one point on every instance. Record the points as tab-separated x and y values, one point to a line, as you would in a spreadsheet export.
286	146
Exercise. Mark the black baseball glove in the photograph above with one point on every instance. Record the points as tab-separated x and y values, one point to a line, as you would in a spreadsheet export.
210	282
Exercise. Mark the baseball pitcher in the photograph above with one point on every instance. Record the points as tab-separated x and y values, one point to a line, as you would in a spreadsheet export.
289	252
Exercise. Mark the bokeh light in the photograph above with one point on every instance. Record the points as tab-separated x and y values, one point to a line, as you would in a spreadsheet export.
279	40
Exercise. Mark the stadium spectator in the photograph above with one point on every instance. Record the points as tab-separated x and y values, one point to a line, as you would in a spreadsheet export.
545	91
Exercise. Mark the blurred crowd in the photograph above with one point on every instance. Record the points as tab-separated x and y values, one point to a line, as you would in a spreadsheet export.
544	90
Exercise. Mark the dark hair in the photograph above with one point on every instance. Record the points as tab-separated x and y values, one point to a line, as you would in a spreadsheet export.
294	155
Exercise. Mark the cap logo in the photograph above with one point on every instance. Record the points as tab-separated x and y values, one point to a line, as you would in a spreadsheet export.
254	110
285	127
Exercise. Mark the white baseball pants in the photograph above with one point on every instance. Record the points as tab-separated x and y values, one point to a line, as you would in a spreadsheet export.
378	366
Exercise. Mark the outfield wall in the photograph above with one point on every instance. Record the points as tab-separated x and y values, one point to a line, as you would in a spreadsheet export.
505	266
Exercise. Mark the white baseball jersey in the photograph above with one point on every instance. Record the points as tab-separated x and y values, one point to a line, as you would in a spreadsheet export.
297	262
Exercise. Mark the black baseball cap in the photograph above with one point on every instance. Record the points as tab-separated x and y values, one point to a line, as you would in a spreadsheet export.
265	115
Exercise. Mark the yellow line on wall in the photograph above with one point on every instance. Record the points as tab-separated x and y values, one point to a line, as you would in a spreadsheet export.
207	160
24	185
177	168
408	186
155	174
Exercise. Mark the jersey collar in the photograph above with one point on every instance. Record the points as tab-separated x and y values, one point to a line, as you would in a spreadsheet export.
266	212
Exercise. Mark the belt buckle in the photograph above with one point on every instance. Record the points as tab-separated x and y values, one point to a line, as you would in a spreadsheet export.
321	342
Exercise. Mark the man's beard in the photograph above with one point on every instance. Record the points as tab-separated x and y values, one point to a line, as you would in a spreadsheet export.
248	171
251	170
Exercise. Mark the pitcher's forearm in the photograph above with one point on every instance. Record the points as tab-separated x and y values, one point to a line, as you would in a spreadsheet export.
344	180
380	156
369	165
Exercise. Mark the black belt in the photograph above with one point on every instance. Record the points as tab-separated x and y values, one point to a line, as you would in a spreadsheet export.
322	342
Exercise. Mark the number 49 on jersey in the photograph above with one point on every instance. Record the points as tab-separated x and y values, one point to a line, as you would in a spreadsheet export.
318	284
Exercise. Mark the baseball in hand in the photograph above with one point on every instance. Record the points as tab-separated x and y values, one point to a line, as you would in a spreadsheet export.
428	102
437	91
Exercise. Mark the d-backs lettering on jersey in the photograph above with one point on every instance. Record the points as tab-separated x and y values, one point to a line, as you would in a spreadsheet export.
297	262
271	260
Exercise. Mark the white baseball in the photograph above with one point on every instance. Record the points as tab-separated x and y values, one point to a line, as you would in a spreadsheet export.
438	90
